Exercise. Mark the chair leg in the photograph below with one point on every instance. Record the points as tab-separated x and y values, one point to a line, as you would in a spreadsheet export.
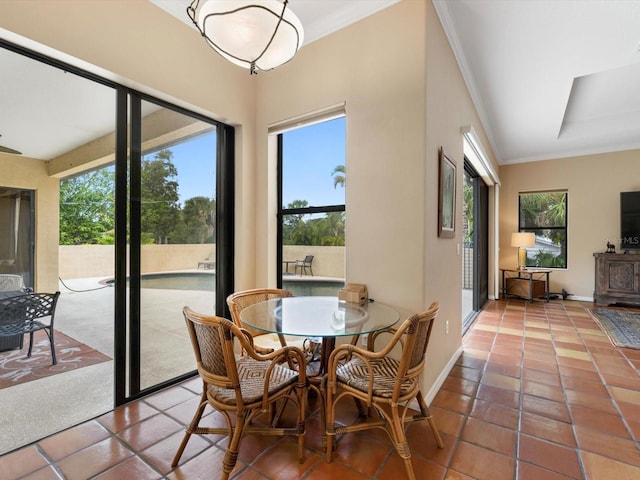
400	441
231	455
329	433
424	409
30	343
54	360
191	428
302	393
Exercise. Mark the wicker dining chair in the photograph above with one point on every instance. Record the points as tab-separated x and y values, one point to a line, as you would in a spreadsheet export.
244	389
385	385
263	341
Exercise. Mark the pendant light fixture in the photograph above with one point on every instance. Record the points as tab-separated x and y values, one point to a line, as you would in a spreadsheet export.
254	34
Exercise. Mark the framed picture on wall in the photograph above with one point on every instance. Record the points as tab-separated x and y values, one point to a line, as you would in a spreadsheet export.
447	197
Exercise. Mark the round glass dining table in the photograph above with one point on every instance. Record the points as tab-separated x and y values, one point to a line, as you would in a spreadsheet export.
320	317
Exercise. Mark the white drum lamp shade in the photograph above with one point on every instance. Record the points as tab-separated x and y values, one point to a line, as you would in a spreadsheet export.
254	34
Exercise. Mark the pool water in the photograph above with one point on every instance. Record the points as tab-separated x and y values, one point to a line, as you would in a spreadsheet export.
207	282
179	281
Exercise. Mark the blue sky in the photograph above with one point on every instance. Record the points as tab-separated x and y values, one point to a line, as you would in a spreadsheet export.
310	155
195	161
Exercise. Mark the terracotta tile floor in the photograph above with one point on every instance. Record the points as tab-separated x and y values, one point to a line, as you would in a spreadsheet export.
539	393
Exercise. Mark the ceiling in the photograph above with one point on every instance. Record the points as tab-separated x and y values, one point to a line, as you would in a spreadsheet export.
319	18
549	79
39	98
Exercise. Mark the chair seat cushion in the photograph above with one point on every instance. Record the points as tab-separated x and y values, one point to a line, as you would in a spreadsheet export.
355	373
252	375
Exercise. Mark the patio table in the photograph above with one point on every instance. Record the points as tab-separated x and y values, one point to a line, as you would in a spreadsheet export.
287	263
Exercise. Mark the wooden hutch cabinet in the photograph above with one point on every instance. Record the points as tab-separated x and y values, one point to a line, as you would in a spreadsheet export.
617	279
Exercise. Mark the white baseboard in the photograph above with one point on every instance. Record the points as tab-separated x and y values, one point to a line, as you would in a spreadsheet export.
578	298
430	395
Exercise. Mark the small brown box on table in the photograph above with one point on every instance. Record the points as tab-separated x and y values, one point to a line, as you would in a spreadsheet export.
354	293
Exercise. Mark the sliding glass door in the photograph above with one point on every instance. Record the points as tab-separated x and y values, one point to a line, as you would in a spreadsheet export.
174	236
475	263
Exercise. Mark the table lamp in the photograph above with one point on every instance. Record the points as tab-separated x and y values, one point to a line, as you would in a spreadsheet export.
522	240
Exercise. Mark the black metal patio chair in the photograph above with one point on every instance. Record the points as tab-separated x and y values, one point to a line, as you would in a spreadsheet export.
24	313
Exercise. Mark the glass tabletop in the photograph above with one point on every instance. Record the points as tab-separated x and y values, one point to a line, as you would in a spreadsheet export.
318	317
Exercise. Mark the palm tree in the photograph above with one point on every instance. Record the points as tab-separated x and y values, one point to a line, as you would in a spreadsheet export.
339	176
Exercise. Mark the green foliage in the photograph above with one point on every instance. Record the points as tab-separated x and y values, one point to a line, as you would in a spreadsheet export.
159	210
467	206
326	231
197	222
339	176
109	238
545	259
543	209
545	214
86	207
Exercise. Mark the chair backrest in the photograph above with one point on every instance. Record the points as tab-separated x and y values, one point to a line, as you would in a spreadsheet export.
417	331
212	341
240	300
11	283
308	259
28	306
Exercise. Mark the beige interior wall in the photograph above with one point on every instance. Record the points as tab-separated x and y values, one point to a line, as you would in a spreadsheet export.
594	183
398	114
375	67
448	109
404	97
31	174
137	44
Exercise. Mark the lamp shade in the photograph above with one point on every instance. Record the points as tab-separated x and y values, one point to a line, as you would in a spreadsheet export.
523	239
254	34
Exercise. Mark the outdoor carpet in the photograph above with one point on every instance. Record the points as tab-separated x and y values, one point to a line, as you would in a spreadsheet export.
622	327
16	368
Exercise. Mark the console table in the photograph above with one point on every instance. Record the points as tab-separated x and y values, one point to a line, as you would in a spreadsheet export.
528	284
617	278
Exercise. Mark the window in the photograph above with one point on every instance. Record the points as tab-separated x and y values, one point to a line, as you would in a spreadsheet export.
312	207
545	215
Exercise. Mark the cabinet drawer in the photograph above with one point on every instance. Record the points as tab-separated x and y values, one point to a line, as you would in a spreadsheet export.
520	287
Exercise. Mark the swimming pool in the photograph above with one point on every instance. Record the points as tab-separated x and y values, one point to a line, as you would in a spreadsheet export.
207	282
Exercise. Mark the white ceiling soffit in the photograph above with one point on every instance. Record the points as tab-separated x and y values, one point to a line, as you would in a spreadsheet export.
46	111
319	17
550	79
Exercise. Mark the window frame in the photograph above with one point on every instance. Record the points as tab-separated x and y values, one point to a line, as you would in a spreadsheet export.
282	212
536	228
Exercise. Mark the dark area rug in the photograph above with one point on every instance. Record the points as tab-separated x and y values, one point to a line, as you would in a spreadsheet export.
622	327
16	368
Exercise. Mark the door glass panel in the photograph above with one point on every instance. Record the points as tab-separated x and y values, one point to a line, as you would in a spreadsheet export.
16	252
178	231
468	245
